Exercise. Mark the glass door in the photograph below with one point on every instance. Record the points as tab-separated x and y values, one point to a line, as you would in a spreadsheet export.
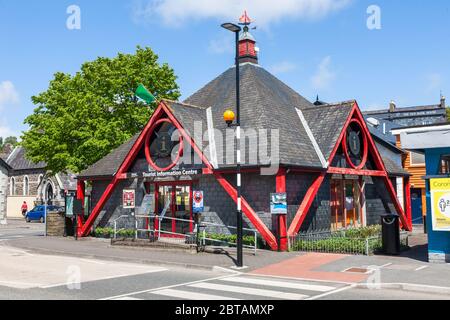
165	209
174	202
183	209
345	204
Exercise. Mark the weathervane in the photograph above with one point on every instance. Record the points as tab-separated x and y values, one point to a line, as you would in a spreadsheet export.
245	21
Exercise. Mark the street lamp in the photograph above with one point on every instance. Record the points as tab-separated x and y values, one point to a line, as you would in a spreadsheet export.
229	119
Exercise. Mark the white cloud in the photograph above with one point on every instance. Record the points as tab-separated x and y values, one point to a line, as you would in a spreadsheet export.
8	94
265	12
324	75
6	131
221	45
282	67
434	82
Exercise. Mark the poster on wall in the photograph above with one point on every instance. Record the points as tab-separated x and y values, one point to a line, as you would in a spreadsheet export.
278	203
440	204
129	199
198	202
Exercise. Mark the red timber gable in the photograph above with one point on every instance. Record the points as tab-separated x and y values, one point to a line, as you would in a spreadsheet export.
370	151
164	113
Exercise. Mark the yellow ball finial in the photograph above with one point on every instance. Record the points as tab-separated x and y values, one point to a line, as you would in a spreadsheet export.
229	117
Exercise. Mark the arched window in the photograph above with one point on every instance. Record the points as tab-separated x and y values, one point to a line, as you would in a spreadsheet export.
12	186
26	186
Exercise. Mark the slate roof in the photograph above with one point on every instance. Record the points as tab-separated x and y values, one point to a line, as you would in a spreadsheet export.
327	122
18	161
266	103
406	109
393	169
108	166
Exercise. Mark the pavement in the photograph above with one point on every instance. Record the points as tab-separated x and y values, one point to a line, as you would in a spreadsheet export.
343	275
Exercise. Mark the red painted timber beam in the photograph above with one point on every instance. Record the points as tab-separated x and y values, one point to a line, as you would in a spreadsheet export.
249	212
85	229
281	188
403	219
305	205
347	171
408	200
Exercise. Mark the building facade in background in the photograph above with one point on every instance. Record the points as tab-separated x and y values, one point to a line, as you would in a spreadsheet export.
388	123
28	182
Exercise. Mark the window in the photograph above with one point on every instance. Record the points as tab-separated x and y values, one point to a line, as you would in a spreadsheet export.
12	186
26	186
417	159
445	166
346	204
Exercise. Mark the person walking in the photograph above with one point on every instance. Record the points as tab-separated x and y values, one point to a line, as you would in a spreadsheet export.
24	208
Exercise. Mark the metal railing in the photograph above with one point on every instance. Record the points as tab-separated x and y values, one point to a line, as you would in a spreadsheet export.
204	236
339	242
199	236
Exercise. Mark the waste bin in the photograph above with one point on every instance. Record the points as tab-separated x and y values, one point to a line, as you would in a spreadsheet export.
390	226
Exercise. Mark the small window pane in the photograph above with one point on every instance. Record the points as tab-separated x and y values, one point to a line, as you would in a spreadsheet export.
417	158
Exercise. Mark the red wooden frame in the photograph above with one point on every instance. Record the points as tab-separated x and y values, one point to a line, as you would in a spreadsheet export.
281	188
305	205
249	212
160	111
371	173
147	147
408	206
355	115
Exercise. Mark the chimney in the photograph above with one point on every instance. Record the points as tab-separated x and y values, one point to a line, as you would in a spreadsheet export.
392	106
443	106
247	44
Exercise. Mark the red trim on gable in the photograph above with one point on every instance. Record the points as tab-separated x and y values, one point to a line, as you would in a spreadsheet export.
85	229
121	173
304	207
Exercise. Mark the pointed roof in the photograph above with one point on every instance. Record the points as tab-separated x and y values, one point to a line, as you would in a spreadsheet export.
266	103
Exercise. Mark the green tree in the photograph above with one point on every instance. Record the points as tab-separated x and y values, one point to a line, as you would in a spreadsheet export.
448	114
11	140
81	118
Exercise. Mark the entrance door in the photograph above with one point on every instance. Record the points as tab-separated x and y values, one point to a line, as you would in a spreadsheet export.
165	208
345	204
174	202
416	204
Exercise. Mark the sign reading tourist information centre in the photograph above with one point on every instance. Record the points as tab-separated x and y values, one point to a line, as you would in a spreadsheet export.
440	204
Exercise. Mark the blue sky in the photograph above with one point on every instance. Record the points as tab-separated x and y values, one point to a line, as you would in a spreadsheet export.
316	46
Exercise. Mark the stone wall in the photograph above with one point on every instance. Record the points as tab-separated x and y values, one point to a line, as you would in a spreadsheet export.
378	200
319	215
55	224
3	193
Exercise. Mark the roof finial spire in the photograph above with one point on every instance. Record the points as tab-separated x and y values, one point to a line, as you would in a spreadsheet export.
247	49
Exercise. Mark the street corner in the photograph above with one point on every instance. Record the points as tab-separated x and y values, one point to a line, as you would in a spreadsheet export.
308	267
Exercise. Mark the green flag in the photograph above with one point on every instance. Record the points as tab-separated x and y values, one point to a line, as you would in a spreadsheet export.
144	94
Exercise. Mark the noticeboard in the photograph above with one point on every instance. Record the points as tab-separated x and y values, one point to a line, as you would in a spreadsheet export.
129	199
440	204
278	203
198	202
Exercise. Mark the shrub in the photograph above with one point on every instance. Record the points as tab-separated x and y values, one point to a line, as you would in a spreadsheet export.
227	239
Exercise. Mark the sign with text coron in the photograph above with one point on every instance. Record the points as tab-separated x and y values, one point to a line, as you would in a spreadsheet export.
129	199
440	204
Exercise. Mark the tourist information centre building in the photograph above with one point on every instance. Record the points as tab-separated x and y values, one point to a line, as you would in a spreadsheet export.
322	157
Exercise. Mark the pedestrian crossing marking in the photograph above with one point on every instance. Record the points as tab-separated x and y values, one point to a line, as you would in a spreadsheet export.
189	295
127	298
279	284
250	291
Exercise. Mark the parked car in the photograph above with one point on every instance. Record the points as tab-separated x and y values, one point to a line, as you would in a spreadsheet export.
38	213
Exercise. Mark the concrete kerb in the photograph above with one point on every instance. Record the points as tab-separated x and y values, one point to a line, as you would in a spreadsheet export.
405	287
200	267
